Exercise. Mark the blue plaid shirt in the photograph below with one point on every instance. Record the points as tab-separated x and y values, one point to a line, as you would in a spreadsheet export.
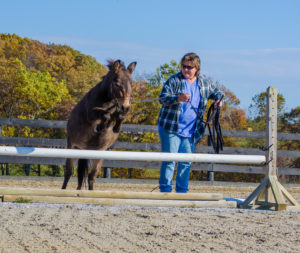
171	108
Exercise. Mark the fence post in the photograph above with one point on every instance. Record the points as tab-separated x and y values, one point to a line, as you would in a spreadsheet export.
39	170
106	172
54	170
210	176
130	171
6	169
27	169
2	165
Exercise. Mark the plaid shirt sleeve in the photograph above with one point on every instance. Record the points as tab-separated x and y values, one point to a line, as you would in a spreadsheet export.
169	93
170	110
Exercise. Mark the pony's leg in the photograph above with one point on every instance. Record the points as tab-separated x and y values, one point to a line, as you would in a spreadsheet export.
97	164
104	120
68	172
81	171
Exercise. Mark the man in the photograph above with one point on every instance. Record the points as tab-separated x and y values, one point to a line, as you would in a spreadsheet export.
178	125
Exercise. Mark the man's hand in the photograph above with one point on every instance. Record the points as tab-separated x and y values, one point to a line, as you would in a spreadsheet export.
184	97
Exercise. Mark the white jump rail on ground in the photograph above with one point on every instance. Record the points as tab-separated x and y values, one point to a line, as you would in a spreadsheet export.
133	156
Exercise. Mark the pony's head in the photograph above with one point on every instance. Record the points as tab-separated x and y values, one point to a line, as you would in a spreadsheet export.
120	83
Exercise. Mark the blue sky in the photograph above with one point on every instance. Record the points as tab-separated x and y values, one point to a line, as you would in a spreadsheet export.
245	45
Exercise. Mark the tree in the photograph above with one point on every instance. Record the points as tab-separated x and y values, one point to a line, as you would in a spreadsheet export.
42	81
145	105
29	95
258	110
79	72
258	107
290	122
232	117
164	72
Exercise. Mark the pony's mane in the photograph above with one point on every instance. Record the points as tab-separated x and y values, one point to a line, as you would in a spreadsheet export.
110	63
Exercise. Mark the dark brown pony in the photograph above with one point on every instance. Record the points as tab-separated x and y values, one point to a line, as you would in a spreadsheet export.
95	122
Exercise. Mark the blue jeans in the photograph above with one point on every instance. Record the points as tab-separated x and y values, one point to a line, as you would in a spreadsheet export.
174	143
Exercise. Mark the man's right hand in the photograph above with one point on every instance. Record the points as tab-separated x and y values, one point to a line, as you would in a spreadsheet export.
185	97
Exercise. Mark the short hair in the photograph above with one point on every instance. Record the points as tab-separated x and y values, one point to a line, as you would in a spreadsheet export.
194	58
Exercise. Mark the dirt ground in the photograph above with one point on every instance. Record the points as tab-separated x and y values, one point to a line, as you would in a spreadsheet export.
80	228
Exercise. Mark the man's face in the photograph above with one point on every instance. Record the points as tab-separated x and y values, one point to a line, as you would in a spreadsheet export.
188	70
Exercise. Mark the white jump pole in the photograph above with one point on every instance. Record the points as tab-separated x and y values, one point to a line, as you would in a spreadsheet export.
133	156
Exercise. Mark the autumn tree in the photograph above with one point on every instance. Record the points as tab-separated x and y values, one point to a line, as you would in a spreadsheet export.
29	95
42	81
145	105
79	72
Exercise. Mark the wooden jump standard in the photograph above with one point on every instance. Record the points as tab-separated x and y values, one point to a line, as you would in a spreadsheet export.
270	193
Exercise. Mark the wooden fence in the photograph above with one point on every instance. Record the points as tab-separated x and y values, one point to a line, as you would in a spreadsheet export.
61	143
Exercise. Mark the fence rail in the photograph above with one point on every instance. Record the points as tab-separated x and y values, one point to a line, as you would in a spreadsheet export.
61	143
141	128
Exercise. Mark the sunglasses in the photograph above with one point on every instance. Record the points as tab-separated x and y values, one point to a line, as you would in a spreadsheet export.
187	67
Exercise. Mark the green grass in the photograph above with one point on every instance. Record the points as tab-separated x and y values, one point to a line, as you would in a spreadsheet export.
189	206
22	200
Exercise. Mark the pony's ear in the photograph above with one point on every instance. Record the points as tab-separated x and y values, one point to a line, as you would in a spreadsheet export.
116	66
131	67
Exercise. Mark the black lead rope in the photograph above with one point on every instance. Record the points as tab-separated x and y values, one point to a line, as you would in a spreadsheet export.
215	137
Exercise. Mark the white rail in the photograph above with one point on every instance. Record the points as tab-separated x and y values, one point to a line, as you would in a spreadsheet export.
133	156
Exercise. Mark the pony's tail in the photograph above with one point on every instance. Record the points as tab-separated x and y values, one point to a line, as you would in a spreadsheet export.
82	172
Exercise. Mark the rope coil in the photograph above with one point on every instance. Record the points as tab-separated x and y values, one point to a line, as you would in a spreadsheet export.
215	137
